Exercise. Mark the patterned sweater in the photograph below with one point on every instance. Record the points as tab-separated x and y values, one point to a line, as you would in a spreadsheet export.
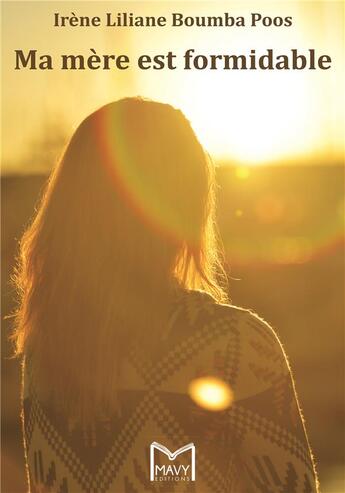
258	445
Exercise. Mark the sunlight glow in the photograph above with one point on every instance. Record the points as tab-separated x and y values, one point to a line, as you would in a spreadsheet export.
269	122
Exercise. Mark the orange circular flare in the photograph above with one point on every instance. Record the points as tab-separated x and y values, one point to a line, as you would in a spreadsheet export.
211	393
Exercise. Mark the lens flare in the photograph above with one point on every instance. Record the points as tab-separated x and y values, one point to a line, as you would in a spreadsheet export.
211	393
150	153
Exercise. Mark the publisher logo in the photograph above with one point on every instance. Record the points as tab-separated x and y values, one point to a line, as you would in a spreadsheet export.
164	468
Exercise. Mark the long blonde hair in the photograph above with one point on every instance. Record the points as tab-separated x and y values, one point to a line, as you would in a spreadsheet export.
128	210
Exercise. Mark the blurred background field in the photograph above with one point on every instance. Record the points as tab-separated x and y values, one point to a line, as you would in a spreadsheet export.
282	231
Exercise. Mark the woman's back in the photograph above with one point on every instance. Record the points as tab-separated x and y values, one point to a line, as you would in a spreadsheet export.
257	445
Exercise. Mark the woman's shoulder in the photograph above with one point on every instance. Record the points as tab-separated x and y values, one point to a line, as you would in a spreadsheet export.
254	351
247	321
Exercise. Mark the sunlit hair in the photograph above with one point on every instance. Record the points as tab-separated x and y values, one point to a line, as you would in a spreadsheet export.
127	217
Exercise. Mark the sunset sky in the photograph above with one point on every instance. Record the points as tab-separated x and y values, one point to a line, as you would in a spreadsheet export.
246	117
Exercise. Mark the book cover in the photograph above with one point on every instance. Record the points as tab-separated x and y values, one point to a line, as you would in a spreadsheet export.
169	171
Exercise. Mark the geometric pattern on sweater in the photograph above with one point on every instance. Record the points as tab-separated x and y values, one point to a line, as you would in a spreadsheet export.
258	445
